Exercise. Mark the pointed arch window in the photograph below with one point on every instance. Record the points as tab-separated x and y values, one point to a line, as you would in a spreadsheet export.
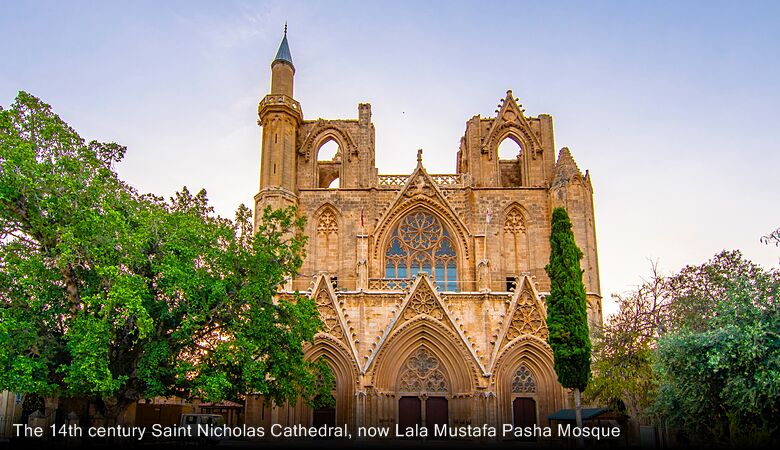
515	243
329	151
509	149
329	165
420	243
325	242
327	223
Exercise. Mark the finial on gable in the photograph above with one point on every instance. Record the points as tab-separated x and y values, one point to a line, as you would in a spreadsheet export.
419	156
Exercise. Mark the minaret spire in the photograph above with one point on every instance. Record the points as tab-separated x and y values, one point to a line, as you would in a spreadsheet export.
283	55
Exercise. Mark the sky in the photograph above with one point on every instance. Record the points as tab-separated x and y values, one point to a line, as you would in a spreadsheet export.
671	106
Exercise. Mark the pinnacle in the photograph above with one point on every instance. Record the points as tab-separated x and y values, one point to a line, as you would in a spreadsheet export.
565	168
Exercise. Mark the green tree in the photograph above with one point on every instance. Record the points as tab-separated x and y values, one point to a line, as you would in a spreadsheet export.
719	365
567	316
113	295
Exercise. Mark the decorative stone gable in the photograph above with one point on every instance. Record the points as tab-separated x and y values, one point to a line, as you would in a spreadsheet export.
426	284
524	318
527	319
335	323
511	120
420	190
329	316
423	302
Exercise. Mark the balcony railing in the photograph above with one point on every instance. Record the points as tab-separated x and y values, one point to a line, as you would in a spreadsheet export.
389	284
443	180
351	284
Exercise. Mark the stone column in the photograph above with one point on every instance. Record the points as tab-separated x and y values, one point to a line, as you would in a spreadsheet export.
362	262
483	276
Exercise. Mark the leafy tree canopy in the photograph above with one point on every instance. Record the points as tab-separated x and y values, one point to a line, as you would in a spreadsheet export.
698	351
719	368
115	295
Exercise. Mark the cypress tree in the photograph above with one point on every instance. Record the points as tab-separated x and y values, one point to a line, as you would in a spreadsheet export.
567	316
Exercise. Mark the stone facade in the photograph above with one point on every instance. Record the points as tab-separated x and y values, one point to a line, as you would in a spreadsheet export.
431	286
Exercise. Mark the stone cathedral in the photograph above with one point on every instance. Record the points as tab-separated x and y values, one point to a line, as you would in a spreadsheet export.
431	286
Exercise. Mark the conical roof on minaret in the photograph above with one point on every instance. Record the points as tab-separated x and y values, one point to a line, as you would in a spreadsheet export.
565	168
283	54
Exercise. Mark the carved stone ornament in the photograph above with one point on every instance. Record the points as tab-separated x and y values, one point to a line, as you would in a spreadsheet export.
421	373
327	223
329	316
527	319
423	302
514	223
523	382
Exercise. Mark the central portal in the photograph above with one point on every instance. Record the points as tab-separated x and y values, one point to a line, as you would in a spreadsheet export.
411	411
423	389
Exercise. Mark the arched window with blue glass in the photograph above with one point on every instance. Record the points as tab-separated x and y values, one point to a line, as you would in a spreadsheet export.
421	243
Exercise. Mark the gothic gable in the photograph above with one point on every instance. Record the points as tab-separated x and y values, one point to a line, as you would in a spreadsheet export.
511	122
334	322
424	304
321	131
525	317
420	189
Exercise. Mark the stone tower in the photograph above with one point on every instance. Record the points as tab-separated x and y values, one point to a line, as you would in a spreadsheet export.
280	116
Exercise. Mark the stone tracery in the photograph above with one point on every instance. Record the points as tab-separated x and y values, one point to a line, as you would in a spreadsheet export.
327	223
421	373
420	243
514	222
526	319
523	382
328	314
480	340
423	302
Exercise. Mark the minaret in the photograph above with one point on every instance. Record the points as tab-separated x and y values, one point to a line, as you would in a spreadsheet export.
280	117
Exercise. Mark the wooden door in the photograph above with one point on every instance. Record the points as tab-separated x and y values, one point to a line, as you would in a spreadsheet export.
524	412
409	412
324	416
436	413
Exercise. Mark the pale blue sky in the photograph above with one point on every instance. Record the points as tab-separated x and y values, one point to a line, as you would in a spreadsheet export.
672	106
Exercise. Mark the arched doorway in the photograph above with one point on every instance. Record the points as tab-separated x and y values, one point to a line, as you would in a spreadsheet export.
523	402
423	390
324	415
341	410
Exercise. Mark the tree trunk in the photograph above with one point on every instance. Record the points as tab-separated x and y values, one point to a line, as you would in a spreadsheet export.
578	416
115	410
